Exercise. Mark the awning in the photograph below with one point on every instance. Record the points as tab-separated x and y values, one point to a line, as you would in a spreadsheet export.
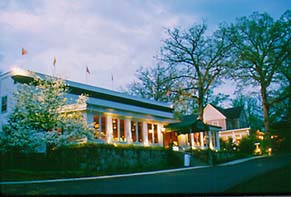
191	126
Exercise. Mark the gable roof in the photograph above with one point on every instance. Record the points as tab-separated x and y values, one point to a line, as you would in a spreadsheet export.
230	113
190	124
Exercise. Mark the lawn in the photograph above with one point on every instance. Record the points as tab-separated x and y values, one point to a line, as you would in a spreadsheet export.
274	182
26	175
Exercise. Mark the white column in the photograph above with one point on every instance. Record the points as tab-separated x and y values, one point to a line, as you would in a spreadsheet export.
109	131
160	135
192	139
136	131
145	133
201	140
233	137
89	117
217	141
210	139
118	130
128	130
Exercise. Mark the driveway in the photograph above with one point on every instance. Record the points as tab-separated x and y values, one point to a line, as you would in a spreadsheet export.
207	180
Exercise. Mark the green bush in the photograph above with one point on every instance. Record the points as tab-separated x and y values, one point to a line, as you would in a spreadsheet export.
247	145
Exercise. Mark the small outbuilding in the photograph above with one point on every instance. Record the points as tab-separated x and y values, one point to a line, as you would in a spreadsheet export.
192	133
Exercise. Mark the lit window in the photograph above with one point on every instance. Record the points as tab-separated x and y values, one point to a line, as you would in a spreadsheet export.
4	104
156	133
133	130
139	131
122	133
103	127
115	129
150	133
97	122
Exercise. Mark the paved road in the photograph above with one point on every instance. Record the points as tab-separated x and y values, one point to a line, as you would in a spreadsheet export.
210	180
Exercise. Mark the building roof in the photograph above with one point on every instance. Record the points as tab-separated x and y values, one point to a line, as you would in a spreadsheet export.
230	113
190	124
24	76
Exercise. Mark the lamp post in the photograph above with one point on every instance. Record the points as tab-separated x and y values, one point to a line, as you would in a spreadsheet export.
210	159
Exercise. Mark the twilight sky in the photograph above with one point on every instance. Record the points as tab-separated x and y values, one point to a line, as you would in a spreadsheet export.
110	37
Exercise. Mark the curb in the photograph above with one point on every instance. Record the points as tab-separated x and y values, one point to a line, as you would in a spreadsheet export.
240	161
100	177
125	175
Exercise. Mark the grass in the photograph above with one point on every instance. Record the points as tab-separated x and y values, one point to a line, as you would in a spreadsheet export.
273	182
27	175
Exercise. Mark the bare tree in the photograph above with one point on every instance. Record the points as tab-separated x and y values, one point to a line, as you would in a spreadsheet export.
198	61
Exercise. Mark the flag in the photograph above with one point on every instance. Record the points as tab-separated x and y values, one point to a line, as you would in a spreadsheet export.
23	51
55	61
87	70
111	76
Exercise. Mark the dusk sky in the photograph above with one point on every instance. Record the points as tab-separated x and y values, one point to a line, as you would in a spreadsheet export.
110	37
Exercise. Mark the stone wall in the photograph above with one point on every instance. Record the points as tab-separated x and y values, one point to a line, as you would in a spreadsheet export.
100	158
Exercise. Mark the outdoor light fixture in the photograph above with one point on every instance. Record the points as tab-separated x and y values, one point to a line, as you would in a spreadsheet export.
163	129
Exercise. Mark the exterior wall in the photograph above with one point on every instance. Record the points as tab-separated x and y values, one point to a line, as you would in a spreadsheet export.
232	128
235	134
212	116
7	87
109	110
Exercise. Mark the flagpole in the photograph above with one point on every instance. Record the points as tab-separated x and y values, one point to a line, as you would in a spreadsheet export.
112	80
86	76
54	74
23	54
87	72
54	66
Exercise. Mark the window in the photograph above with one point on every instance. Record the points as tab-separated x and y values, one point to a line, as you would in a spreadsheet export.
4	104
215	123
153	133
150	133
103	127
122	134
156	133
139	131
115	129
97	132
133	130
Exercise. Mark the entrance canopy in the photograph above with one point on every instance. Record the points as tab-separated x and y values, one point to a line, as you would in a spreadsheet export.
190	124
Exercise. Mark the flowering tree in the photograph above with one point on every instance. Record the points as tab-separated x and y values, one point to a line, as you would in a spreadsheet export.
72	123
37	115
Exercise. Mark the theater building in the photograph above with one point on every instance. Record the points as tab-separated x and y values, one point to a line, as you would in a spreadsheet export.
114	116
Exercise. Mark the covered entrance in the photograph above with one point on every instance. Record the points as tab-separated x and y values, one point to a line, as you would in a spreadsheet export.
192	133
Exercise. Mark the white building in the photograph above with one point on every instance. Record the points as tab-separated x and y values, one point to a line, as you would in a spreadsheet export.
233	122
115	117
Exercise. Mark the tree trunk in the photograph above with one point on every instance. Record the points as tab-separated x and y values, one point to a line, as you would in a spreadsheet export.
265	105
200	103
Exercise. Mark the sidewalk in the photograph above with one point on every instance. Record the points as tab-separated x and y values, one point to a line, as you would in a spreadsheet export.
197	165
240	161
